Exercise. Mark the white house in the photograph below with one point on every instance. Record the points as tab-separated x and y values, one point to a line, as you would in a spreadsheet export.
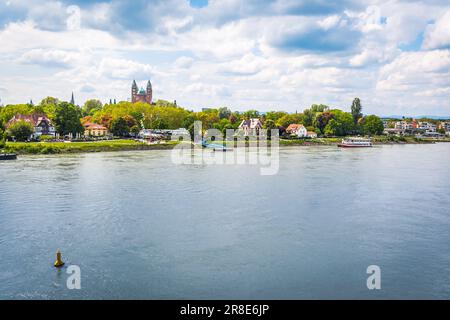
427	126
250	127
297	129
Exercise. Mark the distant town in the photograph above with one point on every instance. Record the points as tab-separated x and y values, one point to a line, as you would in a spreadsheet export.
148	121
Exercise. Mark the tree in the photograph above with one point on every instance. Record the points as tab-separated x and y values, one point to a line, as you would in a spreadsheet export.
270	124
322	120
288	119
308	117
356	110
372	125
67	119
21	130
319	108
49	100
249	114
275	115
9	111
135	130
119	127
341	124
91	106
2	136
224	113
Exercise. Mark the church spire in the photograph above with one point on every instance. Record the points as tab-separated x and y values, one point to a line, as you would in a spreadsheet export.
72	100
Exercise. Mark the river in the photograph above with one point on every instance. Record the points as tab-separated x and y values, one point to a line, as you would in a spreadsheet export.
139	226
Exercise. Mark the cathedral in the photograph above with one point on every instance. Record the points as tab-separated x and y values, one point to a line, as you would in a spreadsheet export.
141	95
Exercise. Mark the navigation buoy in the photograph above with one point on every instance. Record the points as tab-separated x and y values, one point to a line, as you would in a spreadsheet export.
58	262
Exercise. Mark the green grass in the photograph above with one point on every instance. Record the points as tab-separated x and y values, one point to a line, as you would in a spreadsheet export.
81	147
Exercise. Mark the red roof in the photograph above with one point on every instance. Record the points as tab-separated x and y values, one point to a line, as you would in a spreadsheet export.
34	119
294	127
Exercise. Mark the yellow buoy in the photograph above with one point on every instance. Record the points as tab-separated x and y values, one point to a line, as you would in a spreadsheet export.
58	262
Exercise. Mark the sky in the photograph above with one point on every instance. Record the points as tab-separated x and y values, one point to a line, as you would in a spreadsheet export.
253	54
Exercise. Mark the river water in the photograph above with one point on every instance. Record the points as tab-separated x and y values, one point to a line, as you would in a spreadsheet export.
139	226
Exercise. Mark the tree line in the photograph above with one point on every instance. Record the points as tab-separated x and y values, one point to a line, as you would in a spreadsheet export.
126	118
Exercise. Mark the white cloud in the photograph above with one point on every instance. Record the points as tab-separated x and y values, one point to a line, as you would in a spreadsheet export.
232	52
437	35
124	69
51	57
183	62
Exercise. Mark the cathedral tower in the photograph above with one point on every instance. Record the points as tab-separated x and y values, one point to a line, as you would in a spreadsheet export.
141	95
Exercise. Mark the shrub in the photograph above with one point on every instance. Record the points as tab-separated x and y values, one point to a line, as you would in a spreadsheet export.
46	137
21	130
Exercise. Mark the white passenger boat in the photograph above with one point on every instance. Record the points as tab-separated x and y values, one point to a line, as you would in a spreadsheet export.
355	143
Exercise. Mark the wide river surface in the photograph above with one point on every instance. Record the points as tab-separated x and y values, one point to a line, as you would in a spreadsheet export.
140	226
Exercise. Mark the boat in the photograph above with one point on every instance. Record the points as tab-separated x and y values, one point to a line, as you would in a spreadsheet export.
355	143
8	156
215	147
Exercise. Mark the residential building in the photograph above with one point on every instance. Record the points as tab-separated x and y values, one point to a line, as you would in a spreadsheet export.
250	127
94	130
427	126
297	129
42	125
311	134
401	125
445	126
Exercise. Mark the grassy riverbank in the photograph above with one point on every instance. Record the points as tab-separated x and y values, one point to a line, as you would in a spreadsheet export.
128	145
376	140
81	147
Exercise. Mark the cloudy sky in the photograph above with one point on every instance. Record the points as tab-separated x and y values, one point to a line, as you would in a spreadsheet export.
264	54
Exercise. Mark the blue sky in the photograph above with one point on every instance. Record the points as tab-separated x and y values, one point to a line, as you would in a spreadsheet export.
264	54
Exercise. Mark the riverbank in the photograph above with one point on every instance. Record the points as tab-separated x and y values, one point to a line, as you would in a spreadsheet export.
377	140
82	147
130	145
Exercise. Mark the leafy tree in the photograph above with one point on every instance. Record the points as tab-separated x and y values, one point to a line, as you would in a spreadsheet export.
21	130
342	124
67	119
208	119
322	119
91	106
224	113
160	124
119	127
2	136
270	124
49	101
130	120
48	106
372	125
233	118
135	130
288	119
9	111
222	124
275	115
308	117
249	114
315	108
188	120
356	110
